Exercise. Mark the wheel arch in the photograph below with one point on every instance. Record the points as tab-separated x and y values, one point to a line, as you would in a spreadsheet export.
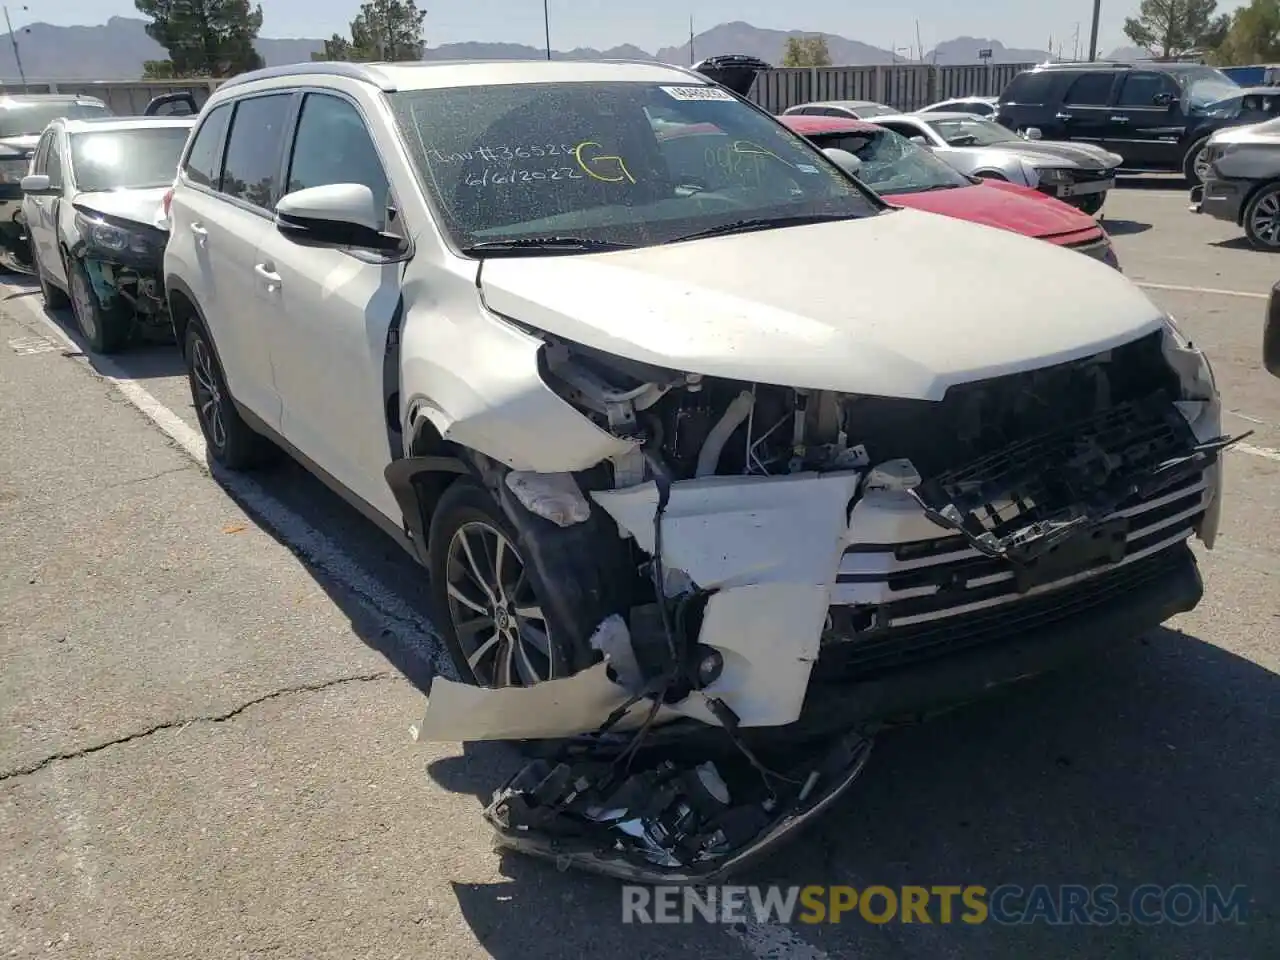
420	478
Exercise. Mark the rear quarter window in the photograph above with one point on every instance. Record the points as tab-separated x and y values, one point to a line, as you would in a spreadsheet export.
1028	88
204	158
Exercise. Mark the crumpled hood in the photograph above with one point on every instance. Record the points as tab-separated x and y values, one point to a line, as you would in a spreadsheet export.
1004	205
1085	155
904	304
140	206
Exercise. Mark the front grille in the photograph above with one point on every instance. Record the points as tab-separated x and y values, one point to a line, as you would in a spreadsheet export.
1080	175
881	651
890	586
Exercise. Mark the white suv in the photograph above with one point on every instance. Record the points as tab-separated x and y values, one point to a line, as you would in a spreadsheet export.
709	410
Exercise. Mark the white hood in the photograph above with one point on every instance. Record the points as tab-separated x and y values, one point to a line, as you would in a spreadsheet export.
140	206
904	304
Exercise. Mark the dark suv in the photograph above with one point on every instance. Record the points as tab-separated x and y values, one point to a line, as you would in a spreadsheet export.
1155	115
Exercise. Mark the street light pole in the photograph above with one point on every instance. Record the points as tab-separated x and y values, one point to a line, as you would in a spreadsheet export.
1093	31
546	26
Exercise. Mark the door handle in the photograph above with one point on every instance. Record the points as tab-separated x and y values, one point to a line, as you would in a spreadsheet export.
199	232
1119	119
264	272
1062	116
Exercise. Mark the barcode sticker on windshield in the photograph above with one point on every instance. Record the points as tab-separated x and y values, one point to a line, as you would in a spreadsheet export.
697	93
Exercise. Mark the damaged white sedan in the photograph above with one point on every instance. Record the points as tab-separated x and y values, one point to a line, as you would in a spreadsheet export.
698	451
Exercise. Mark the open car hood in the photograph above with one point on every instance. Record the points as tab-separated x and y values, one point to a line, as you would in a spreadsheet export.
1004	205
902	304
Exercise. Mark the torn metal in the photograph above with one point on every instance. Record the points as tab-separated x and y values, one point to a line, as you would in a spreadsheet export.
762	554
124	260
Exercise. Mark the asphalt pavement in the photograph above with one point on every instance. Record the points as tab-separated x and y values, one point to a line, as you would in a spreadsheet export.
207	684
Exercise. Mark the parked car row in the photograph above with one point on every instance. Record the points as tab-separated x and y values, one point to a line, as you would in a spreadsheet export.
698	436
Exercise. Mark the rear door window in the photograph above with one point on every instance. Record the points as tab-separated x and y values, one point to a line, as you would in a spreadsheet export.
251	171
1028	88
1090	90
1141	89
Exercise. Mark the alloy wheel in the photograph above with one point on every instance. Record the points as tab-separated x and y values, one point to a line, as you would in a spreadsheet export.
208	394
1201	164
495	615
1265	219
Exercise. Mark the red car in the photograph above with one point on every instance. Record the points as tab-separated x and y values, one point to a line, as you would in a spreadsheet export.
907	175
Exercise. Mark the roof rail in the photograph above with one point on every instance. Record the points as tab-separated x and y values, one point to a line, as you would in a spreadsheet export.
366	72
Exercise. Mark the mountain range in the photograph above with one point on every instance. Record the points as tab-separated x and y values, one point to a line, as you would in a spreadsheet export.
117	49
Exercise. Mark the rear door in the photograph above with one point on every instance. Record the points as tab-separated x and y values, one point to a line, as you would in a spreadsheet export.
1085	111
1147	126
38	212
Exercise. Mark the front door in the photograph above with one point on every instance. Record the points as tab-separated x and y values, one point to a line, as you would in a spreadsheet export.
1147	123
332	310
1085	112
39	215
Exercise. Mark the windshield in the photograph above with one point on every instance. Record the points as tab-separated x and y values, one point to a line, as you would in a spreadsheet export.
612	163
28	118
1204	86
126	159
972	132
893	164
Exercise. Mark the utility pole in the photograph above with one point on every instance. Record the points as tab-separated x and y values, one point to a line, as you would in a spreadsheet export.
17	57
1075	43
691	41
546	26
1093	31
919	45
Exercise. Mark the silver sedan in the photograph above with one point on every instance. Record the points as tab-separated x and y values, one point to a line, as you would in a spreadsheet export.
1080	174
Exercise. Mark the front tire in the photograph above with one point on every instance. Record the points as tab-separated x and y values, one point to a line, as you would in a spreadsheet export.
1262	219
489	611
230	441
105	329
1194	167
1091	203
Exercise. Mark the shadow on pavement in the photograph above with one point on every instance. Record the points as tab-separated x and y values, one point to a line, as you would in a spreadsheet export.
1159	763
1124	228
139	361
1152	181
1239	243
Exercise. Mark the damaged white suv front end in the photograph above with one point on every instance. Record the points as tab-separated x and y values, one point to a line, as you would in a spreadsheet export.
764	481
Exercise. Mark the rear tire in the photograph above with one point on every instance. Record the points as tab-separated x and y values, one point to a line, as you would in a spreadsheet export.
105	329
1193	166
1262	219
231	442
1091	203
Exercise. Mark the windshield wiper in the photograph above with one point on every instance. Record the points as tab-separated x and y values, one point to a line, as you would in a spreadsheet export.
547	244
762	223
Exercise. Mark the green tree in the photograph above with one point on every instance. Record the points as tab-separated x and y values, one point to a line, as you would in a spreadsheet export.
204	38
807	52
1171	28
382	30
1253	36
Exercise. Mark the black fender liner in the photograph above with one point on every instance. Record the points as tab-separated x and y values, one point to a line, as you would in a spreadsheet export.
416	483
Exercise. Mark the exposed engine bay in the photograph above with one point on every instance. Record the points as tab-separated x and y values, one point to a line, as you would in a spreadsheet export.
765	556
124	262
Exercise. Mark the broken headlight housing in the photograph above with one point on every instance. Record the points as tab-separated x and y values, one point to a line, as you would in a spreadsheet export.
120	241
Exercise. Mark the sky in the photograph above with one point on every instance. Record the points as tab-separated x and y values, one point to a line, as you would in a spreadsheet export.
651	24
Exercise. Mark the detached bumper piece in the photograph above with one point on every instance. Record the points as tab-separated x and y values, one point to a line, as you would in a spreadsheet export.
667	824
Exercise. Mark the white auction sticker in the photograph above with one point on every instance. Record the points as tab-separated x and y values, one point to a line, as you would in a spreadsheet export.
697	93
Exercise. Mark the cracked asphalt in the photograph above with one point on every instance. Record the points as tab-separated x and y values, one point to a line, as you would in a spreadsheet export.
206	685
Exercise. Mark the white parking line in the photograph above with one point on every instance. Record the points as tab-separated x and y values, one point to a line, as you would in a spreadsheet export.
1213	291
1265	452
300	536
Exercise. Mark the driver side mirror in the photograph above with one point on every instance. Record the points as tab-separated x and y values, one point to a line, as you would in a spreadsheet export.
843	159
39	185
1163	99
921	142
335	215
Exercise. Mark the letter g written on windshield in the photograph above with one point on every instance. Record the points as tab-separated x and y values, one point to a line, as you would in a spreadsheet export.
607	168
